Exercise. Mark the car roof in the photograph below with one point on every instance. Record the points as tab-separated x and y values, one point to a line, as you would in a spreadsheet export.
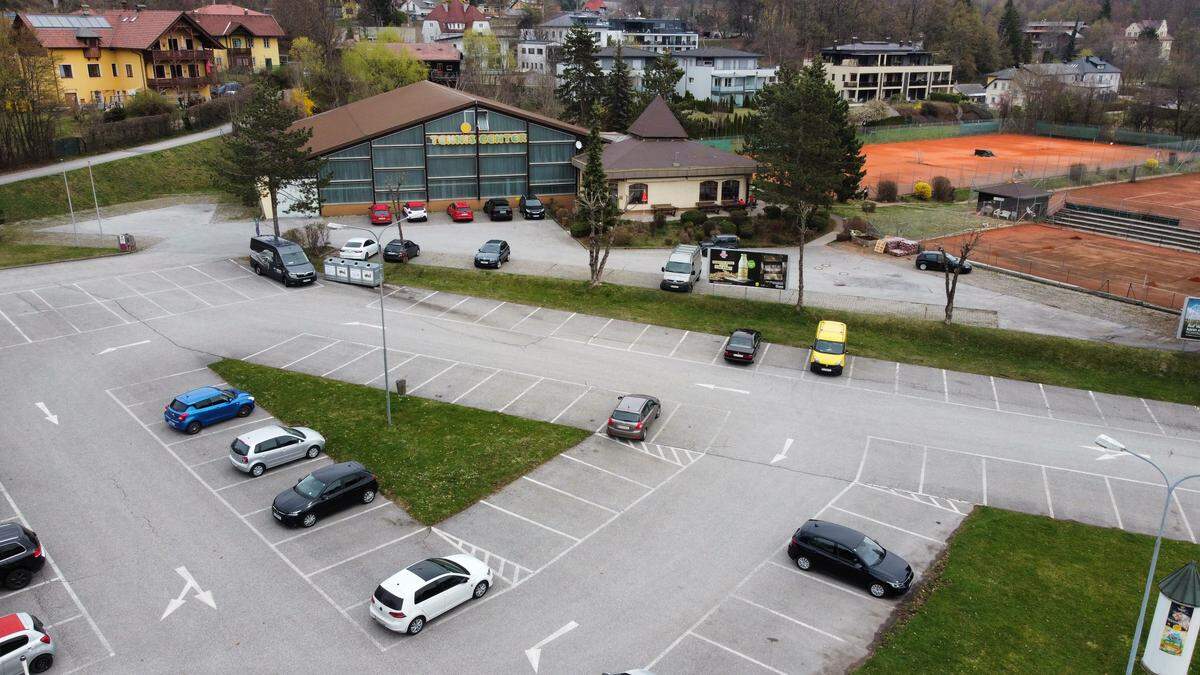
494	241
749	331
633	402
832	328
379	205
12	623
11	531
277	242
460	205
261	434
351	240
839	534
334	471
199	394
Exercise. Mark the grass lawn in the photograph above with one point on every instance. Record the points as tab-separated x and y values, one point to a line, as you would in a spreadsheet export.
14	254
438	459
1116	369
918	220
179	170
1027	594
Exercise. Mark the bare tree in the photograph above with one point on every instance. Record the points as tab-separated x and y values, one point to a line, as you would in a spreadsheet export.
966	244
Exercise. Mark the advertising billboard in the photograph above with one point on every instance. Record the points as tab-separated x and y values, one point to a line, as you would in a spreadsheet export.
1189	320
747	268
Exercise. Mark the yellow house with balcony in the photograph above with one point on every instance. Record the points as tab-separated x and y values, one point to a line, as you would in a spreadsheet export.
249	39
103	58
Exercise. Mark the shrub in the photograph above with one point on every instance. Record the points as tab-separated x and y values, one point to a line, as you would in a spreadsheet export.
1112	174
114	114
943	190
149	102
660	223
723	225
868	207
580	228
818	221
738	216
623	236
693	217
1151	164
745	229
922	190
1075	173
313	238
685	235
773	212
886	191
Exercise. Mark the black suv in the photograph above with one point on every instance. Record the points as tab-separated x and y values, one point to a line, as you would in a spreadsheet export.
282	259
324	491
498	208
531	207
851	554
936	260
399	250
20	556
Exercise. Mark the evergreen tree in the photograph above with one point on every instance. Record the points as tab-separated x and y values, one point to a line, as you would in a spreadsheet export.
263	155
1105	10
619	94
595	207
1026	50
800	139
581	84
1070	48
662	74
1011	31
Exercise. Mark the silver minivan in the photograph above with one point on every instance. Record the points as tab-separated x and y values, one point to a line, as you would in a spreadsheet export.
256	451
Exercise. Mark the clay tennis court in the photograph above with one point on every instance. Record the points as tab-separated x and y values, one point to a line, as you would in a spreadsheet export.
1018	156
1153	274
1174	197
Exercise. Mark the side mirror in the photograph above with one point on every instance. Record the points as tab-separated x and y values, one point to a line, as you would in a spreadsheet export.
664	269
704	252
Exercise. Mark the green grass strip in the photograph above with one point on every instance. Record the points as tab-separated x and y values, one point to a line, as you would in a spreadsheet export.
12	255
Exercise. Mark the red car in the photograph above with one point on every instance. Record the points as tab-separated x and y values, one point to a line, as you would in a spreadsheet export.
381	214
460	212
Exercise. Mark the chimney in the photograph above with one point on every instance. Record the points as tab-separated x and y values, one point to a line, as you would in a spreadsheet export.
124	4
139	7
85	9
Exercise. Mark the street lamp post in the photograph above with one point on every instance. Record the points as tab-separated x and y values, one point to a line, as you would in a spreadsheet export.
387	392
1110	443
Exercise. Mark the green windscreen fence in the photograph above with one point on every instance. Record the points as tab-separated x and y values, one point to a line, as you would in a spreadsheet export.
925	132
1087	132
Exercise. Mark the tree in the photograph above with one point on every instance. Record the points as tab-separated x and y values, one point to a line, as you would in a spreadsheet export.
29	95
375	67
264	155
1069	49
966	244
1011	35
619	94
381	11
661	77
320	74
581	83
959	37
484	64
595	207
851	160
1105	10
797	140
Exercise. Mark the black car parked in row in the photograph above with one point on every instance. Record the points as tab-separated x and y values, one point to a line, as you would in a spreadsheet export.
936	260
742	345
282	259
401	250
531	207
493	253
720	241
851	554
20	556
498	208
324	491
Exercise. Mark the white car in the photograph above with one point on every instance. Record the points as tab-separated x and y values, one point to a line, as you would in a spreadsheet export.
414	211
265	448
23	635
359	248
405	601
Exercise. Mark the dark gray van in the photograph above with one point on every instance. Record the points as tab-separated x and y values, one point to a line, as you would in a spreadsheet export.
282	259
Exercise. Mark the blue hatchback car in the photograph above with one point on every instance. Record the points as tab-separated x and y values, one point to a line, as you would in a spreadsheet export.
198	408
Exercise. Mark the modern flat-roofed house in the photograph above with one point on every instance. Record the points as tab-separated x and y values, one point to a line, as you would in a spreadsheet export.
865	71
657	167
442	59
723	74
650	34
251	39
1089	74
429	142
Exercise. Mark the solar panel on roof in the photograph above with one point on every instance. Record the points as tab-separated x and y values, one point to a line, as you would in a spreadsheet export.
67	21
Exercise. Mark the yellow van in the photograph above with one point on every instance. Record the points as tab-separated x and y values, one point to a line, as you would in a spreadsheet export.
828	353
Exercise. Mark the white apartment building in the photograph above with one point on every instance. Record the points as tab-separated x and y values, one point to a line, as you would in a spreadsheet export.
655	35
1089	73
532	56
864	71
713	73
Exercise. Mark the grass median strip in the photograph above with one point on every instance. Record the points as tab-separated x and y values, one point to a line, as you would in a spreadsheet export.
1116	369
437	460
1026	594
12	255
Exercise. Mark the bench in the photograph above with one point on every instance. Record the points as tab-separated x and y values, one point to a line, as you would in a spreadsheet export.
708	207
665	209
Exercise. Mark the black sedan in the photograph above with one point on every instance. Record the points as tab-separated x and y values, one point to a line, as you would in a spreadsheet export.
493	253
742	345
850	554
401	250
498	208
325	491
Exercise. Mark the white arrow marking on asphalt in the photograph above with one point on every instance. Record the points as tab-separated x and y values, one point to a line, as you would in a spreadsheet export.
131	344
534	653
189	585
713	386
359	323
46	411
782	455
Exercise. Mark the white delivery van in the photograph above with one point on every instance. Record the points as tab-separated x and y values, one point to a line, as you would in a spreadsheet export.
682	270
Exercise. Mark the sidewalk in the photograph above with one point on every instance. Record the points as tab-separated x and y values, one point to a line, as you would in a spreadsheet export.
70	165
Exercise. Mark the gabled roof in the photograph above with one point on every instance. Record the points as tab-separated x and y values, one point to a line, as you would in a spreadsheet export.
398	109
427	51
969	89
226	23
657	122
225	9
116	28
593	5
455	11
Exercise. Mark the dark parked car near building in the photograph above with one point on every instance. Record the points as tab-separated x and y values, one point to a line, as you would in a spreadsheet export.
493	253
401	250
742	345
498	208
851	554
531	207
936	260
20	556
325	491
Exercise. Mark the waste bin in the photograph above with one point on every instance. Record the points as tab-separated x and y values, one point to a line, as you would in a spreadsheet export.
126	243
357	272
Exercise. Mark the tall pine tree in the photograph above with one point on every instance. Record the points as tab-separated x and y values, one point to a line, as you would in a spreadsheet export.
596	208
581	84
1011	31
619	100
1105	10
662	74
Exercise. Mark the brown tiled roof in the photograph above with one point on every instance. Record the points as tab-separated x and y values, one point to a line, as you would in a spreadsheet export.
638	158
400	108
225	9
128	29
455	11
257	24
427	51
657	121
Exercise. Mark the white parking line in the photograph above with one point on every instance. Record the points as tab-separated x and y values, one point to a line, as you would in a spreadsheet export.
250	481
523	392
476	386
924	461
308	577
416	303
1046	485
896	380
69	619
393	368
444	311
441	372
945	387
1183	515
255	512
568	494
983	474
735	652
639	337
514	326
681	339
573	314
666	421
310	530
185	290
314	353
370	351
1046	400
844	589
220	281
267	349
481	318
529	520
1113	499
224	428
30	587
787	618
1092	395
573	402
10	322
98	302
589	340
880	522
995	396
55	310
1153	418
613	474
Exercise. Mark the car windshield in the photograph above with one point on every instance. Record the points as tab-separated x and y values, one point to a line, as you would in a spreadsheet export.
178	406
449	565
381	210
490	248
869	552
533	202
951	259
229	392
310	487
741	341
294	258
354	243
240	447
624	416
293	431
828	347
679	267
387	599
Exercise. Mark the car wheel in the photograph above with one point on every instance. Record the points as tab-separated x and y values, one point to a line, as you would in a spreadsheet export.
416	625
922	266
257	470
313	452
256	268
803	563
245	410
41	663
18	578
481	590
368	496
310	519
813	368
877	590
193	428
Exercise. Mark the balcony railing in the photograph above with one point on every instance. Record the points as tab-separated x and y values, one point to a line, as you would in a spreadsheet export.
179	55
238	51
179	83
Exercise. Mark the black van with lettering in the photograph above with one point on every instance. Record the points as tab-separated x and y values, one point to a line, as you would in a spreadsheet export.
282	259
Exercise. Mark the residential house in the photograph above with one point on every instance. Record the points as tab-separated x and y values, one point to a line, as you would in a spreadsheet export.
656	35
723	74
1050	38
864	71
1090	73
443	60
449	20
1134	31
533	56
251	39
973	92
104	57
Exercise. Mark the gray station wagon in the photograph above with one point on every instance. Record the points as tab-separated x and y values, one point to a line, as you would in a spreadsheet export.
256	451
633	416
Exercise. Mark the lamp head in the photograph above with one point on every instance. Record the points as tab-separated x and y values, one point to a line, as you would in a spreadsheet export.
1109	443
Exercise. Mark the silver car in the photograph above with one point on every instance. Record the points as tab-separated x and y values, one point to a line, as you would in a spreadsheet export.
256	451
633	416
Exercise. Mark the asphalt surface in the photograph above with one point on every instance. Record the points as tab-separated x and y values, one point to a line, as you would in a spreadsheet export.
615	555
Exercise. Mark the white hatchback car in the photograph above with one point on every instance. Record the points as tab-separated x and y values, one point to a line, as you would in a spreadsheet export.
266	448
408	599
22	635
359	248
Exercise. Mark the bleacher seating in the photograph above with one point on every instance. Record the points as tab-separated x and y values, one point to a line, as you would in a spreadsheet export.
1148	228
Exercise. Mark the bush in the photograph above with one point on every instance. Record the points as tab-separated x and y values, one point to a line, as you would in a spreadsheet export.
149	102
773	212
623	236
1113	174
745	229
114	114
723	225
660	223
131	131
1075	173
693	217
1151	164
868	207
580	229
313	238
686	236
216	111
943	190
923	190
738	216
818	221
886	191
